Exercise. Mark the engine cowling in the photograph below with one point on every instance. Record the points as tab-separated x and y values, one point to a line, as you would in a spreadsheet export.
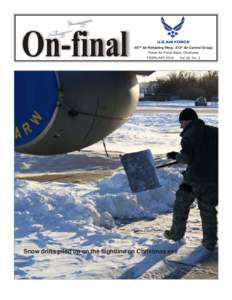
64	111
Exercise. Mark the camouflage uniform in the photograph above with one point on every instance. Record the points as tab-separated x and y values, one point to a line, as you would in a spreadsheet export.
200	152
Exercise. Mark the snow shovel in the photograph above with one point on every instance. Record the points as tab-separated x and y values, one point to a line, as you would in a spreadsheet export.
140	170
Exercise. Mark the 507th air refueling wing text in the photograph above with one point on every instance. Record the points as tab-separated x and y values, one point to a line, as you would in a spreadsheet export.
181	37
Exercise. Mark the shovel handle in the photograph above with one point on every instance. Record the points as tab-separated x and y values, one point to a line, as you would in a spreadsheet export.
167	164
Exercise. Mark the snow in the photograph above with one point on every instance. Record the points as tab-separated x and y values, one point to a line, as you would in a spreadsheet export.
175	103
98	229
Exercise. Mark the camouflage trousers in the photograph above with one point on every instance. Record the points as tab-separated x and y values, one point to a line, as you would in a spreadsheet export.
207	199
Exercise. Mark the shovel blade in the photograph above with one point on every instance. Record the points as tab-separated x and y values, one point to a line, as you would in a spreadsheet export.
141	171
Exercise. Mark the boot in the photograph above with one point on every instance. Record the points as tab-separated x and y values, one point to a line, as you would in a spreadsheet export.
168	234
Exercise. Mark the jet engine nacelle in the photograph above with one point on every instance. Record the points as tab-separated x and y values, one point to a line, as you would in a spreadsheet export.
59	112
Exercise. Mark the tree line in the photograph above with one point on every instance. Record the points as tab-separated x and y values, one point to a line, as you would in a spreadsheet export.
187	85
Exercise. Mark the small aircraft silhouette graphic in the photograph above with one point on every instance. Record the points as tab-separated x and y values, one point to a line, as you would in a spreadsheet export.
172	31
61	34
82	23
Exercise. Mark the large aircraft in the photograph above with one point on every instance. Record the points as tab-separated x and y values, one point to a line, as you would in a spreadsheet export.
82	23
64	111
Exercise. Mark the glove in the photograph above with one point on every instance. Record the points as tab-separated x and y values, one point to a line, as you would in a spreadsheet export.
172	155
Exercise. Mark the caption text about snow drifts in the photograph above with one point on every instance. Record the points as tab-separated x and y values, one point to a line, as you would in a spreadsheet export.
94	251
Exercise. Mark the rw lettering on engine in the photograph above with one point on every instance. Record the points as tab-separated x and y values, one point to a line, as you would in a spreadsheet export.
27	127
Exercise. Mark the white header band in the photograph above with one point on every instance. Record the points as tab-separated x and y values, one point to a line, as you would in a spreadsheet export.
116	38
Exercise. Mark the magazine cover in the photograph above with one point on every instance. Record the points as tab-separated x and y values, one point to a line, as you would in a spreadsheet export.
116	171
115	122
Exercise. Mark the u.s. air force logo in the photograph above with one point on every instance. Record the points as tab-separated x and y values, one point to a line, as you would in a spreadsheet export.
172	31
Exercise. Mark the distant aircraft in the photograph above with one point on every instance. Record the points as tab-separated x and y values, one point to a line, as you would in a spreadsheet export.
59	33
82	23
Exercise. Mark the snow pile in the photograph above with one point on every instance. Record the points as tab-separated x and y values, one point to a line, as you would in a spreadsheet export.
64	207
